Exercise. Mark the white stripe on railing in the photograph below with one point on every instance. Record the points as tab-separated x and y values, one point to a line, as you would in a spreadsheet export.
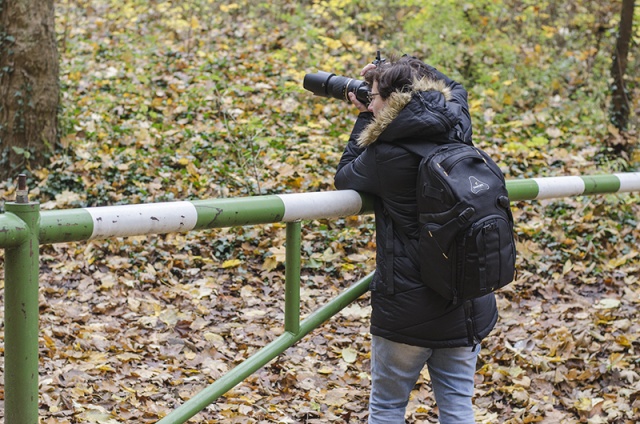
324	204
150	218
629	181
559	187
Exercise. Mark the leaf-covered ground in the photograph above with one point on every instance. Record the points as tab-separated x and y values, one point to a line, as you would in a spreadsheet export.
168	101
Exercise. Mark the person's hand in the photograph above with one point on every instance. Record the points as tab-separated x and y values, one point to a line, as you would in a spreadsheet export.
361	106
367	68
357	103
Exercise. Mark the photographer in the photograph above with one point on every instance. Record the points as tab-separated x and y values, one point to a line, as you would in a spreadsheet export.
411	325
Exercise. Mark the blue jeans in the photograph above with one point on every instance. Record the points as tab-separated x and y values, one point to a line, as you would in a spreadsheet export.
395	368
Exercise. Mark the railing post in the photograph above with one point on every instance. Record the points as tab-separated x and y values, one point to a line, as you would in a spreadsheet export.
22	315
292	279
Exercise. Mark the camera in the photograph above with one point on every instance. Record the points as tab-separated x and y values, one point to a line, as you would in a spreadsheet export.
326	84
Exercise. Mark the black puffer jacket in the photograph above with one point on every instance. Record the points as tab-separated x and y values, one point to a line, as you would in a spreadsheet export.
404	310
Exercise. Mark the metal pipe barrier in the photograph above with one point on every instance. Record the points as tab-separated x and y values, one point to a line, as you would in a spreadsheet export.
23	227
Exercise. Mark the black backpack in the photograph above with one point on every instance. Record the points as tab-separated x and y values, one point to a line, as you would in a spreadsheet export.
466	244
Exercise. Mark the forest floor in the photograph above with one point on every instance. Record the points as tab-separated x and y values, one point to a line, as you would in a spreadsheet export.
164	101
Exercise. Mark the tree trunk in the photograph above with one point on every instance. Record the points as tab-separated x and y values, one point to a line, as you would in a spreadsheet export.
29	87
620	102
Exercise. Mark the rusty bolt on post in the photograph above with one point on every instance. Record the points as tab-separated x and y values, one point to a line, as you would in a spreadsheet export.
23	191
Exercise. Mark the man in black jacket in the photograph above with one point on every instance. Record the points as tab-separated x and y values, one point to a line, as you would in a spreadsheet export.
411	102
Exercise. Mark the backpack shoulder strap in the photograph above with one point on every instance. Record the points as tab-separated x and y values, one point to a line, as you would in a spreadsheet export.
424	149
420	149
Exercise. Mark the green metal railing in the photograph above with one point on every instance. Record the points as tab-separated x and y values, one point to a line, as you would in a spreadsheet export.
23	227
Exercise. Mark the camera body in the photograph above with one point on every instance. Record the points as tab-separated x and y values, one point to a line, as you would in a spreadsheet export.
327	84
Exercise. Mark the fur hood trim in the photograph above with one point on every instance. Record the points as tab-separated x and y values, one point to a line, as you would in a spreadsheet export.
395	104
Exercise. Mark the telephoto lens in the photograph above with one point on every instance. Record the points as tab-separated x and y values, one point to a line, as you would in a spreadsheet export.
326	84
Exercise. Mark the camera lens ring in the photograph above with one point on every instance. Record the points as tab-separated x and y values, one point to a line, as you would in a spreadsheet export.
345	90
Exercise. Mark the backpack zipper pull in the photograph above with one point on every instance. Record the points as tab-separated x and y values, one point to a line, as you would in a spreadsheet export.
443	171
481	157
443	254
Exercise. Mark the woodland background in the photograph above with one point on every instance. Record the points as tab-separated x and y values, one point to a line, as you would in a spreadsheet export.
167	101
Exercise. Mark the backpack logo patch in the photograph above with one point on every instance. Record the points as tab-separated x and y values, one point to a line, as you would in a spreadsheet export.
477	186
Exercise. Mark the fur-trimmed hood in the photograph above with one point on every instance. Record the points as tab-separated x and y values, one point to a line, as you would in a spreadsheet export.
423	111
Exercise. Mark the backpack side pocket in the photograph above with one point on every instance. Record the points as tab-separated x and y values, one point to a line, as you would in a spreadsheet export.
488	257
438	253
439	250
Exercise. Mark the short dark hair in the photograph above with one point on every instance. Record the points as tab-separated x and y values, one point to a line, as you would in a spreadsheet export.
399	75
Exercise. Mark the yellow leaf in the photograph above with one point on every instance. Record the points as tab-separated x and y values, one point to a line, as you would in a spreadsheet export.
105	368
108	281
213	337
126	357
169	317
336	397
586	404
549	31
623	341
195	24
231	263
621	260
192	169
356	311
616	359
329	255
475	105
331	43
349	355
300	46
607	303
279	253
270	263
357	257
229	7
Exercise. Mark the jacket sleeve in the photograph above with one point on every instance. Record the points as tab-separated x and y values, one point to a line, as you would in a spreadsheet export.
458	91
460	98
353	150
357	167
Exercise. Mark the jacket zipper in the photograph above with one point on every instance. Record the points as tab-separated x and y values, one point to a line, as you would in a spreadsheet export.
443	120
